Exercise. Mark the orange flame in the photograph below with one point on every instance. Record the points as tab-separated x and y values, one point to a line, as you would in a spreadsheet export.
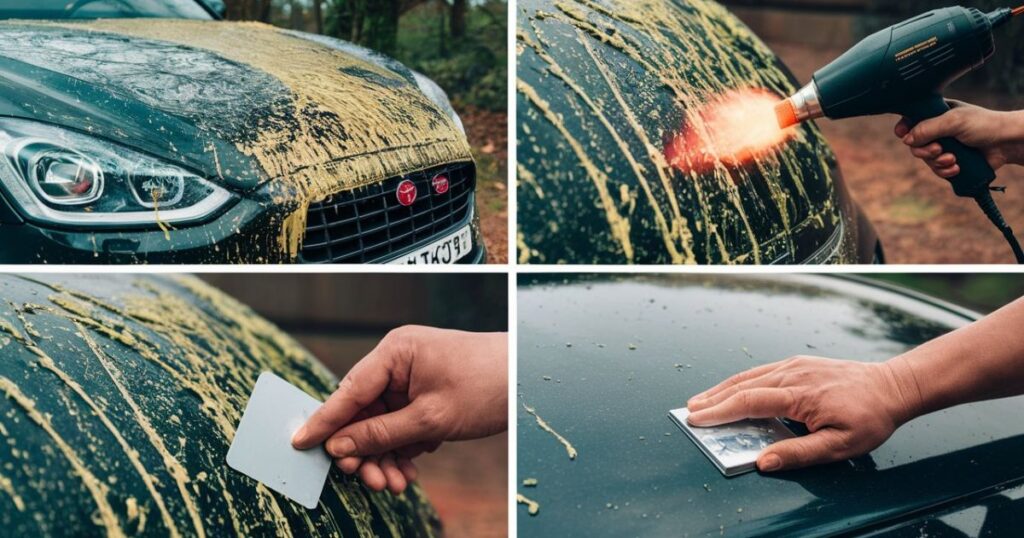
733	129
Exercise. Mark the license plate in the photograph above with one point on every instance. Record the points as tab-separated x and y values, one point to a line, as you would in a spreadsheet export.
448	249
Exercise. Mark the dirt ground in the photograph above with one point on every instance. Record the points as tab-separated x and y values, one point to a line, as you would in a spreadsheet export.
488	135
916	214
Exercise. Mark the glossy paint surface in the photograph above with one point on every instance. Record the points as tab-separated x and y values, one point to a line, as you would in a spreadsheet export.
603	360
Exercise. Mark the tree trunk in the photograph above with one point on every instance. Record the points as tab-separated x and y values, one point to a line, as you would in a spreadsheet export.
458	22
318	17
296	21
441	37
382	26
358	10
264	11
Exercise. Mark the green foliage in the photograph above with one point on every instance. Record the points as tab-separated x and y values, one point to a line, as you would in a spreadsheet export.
471	69
371	23
981	292
1004	72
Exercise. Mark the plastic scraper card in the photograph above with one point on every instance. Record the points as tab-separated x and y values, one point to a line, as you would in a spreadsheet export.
262	447
733	447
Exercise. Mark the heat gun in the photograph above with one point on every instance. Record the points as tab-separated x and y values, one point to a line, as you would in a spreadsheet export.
903	69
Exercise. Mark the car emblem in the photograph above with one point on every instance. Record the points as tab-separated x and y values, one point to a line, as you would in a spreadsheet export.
406	192
440	183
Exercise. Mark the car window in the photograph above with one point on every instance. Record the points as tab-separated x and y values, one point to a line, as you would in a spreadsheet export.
97	9
609	97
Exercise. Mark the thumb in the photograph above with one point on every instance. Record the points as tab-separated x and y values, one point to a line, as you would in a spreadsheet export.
932	129
359	389
814	449
381	434
902	127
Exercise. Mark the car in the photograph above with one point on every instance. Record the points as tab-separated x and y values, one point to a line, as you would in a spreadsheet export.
646	135
153	132
121	394
604	358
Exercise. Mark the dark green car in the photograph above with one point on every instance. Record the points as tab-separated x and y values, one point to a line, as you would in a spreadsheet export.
603	359
148	131
119	398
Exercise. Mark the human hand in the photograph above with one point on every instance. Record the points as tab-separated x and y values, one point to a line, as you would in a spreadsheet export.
849	407
998	135
419	387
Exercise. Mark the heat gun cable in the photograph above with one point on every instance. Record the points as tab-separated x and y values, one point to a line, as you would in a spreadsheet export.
988	205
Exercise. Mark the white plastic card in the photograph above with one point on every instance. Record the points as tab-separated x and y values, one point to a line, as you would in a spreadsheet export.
733	447
262	447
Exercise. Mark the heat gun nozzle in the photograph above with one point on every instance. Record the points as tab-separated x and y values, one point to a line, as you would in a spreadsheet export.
785	113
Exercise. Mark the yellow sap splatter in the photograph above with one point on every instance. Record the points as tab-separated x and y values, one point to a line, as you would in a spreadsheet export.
569	449
376	130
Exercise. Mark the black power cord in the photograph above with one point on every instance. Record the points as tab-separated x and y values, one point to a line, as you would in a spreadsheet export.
985	201
988	205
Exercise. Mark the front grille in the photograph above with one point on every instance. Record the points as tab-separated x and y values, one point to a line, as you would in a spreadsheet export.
368	223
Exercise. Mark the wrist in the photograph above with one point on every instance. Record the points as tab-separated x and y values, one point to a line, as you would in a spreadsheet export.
1013	142
1016	125
908	401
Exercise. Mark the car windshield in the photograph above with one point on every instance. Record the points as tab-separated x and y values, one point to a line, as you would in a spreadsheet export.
101	9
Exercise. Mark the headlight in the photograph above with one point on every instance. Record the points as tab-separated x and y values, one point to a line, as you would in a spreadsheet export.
60	176
437	95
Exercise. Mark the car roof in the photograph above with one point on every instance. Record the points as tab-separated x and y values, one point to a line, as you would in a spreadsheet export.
603	360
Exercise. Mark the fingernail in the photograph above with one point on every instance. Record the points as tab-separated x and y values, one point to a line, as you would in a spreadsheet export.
908	139
300	436
694	418
342	447
771	462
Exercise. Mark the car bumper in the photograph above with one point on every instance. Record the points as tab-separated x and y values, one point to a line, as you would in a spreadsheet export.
247	232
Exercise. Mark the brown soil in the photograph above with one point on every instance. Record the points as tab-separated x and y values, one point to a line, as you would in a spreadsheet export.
916	214
467	483
488	135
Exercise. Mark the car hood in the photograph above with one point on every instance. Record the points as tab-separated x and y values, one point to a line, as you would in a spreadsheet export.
602	361
239	102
